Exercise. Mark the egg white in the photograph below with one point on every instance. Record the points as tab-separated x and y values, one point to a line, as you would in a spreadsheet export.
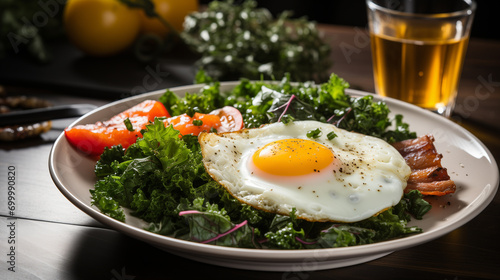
368	178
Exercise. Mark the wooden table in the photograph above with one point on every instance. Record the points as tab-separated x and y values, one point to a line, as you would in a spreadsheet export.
55	240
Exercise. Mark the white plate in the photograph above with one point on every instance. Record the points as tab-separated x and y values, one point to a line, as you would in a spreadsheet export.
469	163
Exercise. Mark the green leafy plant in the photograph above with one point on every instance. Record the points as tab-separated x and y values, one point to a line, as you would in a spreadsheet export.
26	26
242	40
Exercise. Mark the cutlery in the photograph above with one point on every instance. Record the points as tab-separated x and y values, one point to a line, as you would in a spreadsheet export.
45	114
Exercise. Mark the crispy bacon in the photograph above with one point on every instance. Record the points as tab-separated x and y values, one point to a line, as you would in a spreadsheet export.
427	174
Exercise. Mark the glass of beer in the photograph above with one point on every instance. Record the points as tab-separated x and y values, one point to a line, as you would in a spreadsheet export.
418	49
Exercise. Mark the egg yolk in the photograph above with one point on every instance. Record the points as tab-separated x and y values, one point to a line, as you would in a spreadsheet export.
292	157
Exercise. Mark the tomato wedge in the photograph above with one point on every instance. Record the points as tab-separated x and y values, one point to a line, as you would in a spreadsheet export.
93	138
223	120
230	118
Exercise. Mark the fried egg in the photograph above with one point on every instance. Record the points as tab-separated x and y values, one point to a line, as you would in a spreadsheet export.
278	168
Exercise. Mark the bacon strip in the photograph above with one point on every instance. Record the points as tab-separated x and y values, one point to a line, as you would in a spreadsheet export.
427	174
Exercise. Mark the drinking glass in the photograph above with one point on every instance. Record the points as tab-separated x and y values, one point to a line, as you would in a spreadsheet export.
418	49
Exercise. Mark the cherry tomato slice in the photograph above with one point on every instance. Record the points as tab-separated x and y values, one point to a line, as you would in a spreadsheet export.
93	138
230	117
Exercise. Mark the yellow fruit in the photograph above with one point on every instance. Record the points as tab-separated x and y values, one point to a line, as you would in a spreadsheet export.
173	11
100	27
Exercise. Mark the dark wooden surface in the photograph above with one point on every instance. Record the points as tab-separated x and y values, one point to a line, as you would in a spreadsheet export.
55	240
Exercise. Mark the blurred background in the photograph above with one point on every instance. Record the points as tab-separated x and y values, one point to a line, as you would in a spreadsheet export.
353	13
35	50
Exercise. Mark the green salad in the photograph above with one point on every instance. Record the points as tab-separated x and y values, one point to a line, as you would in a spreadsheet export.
161	177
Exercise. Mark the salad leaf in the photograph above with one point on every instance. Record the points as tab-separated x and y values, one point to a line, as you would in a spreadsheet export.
165	144
106	196
415	204
214	227
387	225
162	180
291	106
340	235
207	100
265	102
153	175
106	165
285	238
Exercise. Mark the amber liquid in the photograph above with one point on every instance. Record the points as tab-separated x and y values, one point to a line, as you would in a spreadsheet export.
424	73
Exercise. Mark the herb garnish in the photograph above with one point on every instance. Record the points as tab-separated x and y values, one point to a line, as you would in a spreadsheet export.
197	122
314	133
128	124
331	135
